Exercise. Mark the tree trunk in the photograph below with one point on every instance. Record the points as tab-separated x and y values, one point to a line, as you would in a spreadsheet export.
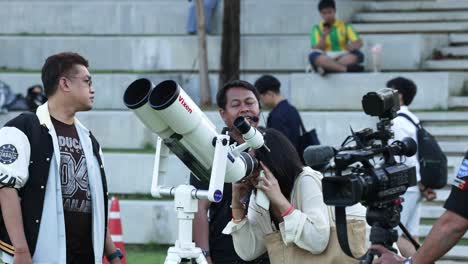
230	49
205	93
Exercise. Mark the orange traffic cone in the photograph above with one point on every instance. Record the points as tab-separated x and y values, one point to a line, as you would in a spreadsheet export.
115	228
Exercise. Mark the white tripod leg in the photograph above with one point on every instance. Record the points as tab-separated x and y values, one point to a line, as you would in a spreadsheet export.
201	260
172	256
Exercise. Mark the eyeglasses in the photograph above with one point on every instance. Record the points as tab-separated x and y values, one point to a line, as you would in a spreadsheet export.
88	80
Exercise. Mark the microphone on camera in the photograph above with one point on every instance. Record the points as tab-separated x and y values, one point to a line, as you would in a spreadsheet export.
318	156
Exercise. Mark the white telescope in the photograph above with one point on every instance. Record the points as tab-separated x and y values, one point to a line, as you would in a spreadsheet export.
170	113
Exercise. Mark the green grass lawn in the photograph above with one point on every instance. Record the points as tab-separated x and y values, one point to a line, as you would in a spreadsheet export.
147	254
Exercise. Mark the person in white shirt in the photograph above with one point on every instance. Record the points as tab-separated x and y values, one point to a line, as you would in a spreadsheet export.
402	127
297	213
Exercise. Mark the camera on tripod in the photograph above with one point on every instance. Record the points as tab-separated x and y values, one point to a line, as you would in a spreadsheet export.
356	178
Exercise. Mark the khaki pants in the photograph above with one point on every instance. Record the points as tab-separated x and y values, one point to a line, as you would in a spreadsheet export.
280	253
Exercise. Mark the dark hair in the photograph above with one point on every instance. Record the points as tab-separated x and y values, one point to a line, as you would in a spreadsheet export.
405	87
58	65
282	159
326	4
267	83
221	95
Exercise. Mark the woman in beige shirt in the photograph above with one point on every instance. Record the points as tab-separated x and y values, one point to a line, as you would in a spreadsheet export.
297	209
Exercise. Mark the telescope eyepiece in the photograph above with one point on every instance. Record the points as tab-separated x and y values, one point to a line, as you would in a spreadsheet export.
242	125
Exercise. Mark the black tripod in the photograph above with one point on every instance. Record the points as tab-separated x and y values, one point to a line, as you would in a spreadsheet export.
383	221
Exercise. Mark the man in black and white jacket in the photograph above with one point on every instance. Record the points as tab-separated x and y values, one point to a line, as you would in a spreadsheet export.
53	194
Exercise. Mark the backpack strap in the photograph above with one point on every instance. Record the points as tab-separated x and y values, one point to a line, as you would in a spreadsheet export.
409	119
302	126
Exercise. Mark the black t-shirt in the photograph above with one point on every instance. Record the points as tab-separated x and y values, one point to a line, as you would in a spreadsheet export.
76	195
457	201
221	246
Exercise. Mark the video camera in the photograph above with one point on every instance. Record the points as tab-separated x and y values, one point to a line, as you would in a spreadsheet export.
363	182
357	177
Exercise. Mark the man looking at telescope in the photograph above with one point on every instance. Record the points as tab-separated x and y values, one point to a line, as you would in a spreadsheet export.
236	98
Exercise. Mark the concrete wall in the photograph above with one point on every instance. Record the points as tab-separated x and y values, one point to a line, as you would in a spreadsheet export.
259	53
109	88
133	173
306	91
148	222
123	130
157	17
344	91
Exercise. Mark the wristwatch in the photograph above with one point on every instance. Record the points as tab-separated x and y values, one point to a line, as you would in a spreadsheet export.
407	261
116	254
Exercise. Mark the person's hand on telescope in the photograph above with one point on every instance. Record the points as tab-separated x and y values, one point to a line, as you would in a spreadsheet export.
272	189
387	256
240	189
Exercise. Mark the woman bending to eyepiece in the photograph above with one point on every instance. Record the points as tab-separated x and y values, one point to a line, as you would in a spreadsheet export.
299	226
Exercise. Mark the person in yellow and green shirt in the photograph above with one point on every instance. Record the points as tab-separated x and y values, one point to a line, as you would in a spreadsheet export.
335	44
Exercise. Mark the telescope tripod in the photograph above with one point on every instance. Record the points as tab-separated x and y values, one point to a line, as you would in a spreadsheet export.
186	206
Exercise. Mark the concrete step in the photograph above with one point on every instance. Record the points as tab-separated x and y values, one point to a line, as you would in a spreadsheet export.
458	102
456	130
157	17
179	53
445	65
442	195
313	92
432	211
104	17
458	38
425	27
425	229
458	253
453	148
437	5
376	17
148	221
455	51
129	173
443	117
122	129
109	88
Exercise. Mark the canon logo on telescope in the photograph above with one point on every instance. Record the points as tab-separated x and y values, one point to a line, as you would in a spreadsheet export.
184	104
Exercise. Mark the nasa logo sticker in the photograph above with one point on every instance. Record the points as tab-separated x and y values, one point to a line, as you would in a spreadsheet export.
8	154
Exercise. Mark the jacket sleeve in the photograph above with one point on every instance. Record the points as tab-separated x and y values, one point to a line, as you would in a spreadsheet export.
308	226
15	154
